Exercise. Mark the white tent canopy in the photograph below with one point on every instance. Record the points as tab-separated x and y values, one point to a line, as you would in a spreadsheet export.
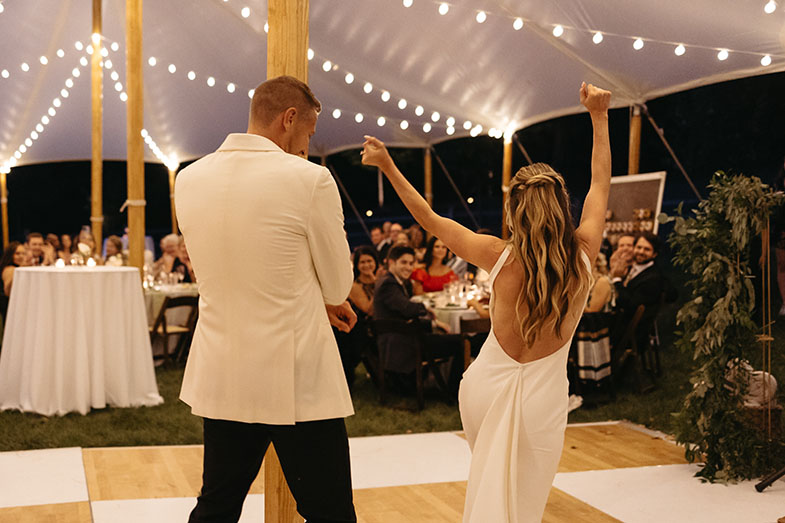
494	74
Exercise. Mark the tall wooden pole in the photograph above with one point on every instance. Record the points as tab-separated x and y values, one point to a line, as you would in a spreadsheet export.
287	54
635	141
135	108
428	177
4	205
171	201
506	175
96	166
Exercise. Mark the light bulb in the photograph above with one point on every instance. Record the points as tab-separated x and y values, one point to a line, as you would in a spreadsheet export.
39	128
191	75
327	65
481	17
89	48
108	64
96	38
450	121
172	68
385	96
419	110
369	213
435	116
443	9
115	46
5	73
75	72
722	55
637	44
79	46
367	88
152	61
69	83
404	125
336	113
118	86
114	76
358	117
250	93
680	50
381	121
52	111
104	52
765	61
230	87
770	7
310	54
34	135
245	12
26	67
123	96
518	24
56	102
44	60
451	130
83	61
597	38
426	127
64	93
408	3
467	125
558	31
470	200
266	27
28	142
402	104
349	78
211	81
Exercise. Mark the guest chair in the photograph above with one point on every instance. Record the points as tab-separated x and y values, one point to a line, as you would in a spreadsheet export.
424	359
626	352
468	328
161	329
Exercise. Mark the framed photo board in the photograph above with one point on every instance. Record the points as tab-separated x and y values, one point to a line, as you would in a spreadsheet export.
634	202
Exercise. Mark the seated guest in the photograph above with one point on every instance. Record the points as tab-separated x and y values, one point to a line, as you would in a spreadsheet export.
40	253
641	284
15	255
189	275
416	242
377	237
66	247
602	293
591	358
392	301
354	344
114	252
622	257
171	259
391	235
435	274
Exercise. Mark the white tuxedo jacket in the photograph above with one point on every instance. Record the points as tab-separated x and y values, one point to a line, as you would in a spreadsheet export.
264	230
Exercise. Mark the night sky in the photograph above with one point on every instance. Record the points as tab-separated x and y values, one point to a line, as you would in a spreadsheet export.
737	126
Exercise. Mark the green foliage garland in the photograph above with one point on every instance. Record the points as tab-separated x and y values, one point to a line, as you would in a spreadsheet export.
713	247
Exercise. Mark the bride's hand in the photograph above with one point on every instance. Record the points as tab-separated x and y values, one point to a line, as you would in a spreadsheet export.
374	153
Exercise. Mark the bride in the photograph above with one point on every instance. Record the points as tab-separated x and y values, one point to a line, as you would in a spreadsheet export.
513	397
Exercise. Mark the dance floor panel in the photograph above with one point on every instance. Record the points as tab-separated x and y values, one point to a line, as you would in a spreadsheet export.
609	472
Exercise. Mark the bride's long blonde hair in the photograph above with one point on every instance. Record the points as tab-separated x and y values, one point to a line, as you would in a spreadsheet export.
544	243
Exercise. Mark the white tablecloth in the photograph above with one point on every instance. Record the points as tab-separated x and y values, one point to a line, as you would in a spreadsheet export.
76	338
452	316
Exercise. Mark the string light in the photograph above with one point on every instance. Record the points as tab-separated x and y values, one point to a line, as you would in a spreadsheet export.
327	65
349	78
450	130
680	50
78	46
211	81
443	10
467	125
765	61
381	121
115	46
358	117
60	53
722	55
637	44
44	60
4	73
310	54
426	127
481	17
245	12
435	116
250	93
597	38
172	68
408	3
114	76
770	7
108	64
337	113
404	124
518	24
367	88
385	96
25	67
191	75
419	110
450	121
402	104
152	61
230	87
558	30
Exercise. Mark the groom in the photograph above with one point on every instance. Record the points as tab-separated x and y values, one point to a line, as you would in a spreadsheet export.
264	230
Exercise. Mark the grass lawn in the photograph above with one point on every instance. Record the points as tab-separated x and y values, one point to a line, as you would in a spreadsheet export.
172	422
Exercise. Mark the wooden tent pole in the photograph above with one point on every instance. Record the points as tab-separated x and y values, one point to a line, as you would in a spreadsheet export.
506	175
635	141
428	177
171	201
287	54
4	205
96	164
135	122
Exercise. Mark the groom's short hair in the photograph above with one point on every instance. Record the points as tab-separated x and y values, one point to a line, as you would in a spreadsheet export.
276	95
398	251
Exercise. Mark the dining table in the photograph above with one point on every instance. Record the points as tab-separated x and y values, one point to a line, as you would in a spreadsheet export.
76	338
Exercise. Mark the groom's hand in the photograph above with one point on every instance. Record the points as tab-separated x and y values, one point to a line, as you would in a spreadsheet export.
342	317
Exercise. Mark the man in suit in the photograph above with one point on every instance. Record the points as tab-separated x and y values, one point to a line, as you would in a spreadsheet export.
640	284
264	230
392	300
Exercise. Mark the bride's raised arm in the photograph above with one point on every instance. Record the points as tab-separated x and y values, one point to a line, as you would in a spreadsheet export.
478	249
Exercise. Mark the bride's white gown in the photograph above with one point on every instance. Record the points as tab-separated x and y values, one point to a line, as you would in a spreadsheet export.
514	415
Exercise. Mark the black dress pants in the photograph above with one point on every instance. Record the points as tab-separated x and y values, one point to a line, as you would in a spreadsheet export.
314	456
